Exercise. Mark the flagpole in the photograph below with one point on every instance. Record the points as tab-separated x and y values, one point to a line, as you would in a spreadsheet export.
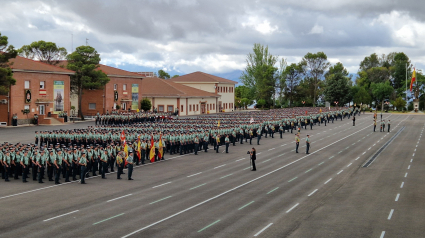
406	88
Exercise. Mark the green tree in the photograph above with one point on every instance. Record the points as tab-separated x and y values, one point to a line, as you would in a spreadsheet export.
6	74
145	104
260	73
382	91
370	62
84	61
399	103
293	74
162	74
261	103
338	85
400	65
316	65
176	75
47	52
245	102
362	96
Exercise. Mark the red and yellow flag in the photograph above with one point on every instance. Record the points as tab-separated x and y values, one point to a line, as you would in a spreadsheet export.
139	145
413	79
126	152
152	152
160	152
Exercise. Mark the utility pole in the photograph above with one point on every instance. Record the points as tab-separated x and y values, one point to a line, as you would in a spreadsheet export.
406	88
72	42
87	41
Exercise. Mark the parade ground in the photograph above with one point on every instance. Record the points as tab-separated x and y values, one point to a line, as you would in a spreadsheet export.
354	183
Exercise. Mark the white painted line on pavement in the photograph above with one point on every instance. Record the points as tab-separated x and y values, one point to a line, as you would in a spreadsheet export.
313	192
308	171
391	214
290	209
246	205
272	190
413	154
411	160
292	179
364	153
357	158
405	175
415	150
220	166
119	197
396	198
408	167
263	229
239	159
328	181
198	186
235	188
321	163
194	174
108	219
382	234
160	200
226	176
331	157
259	153
349	164
340	172
402	184
161	185
369	148
61	215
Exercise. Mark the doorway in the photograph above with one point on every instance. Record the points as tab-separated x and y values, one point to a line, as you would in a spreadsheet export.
203	108
41	109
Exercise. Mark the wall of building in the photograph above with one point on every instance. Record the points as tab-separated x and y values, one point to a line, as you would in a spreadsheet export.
164	102
209	87
105	98
227	97
17	94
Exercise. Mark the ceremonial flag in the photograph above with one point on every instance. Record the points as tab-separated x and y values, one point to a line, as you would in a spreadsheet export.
122	136
160	152
320	110
218	123
252	120
126	153
413	79
152	152
139	145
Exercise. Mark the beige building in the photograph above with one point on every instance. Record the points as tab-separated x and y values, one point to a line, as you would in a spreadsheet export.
212	84
167	96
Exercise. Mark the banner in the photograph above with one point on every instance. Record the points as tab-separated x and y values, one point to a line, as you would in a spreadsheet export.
134	96
58	96
28	96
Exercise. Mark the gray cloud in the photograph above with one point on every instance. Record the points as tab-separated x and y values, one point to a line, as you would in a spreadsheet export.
215	36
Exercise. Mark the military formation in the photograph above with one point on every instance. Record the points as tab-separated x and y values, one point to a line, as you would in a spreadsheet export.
122	140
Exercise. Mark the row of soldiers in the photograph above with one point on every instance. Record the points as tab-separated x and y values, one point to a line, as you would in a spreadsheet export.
73	153
130	118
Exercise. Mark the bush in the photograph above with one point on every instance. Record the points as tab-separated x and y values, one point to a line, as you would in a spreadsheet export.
145	104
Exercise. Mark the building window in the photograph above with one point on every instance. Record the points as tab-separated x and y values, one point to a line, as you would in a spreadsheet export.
213	106
124	87
170	108
181	108
27	84
41	84
190	107
160	108
226	89
115	87
115	106
27	107
208	107
197	107
124	106
92	106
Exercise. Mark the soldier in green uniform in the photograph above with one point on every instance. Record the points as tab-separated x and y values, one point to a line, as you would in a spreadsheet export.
130	164
104	161
307	144
227	141
389	125
120	164
83	163
196	141
25	166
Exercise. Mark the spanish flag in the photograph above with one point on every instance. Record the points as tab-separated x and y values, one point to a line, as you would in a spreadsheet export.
160	152
413	79
152	152
218	123
139	149
126	152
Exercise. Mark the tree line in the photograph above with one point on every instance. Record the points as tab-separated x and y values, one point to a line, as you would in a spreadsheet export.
271	82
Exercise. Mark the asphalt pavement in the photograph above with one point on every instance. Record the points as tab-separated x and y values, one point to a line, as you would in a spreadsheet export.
326	193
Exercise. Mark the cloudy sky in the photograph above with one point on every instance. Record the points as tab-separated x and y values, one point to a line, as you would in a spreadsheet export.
214	36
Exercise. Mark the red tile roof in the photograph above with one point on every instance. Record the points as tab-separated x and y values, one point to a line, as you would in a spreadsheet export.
110	71
157	87
20	63
201	77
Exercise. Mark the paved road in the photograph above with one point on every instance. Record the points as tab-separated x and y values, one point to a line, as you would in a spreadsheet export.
323	194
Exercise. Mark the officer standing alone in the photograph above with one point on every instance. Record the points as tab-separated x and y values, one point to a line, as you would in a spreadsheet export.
130	164
307	144
253	158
